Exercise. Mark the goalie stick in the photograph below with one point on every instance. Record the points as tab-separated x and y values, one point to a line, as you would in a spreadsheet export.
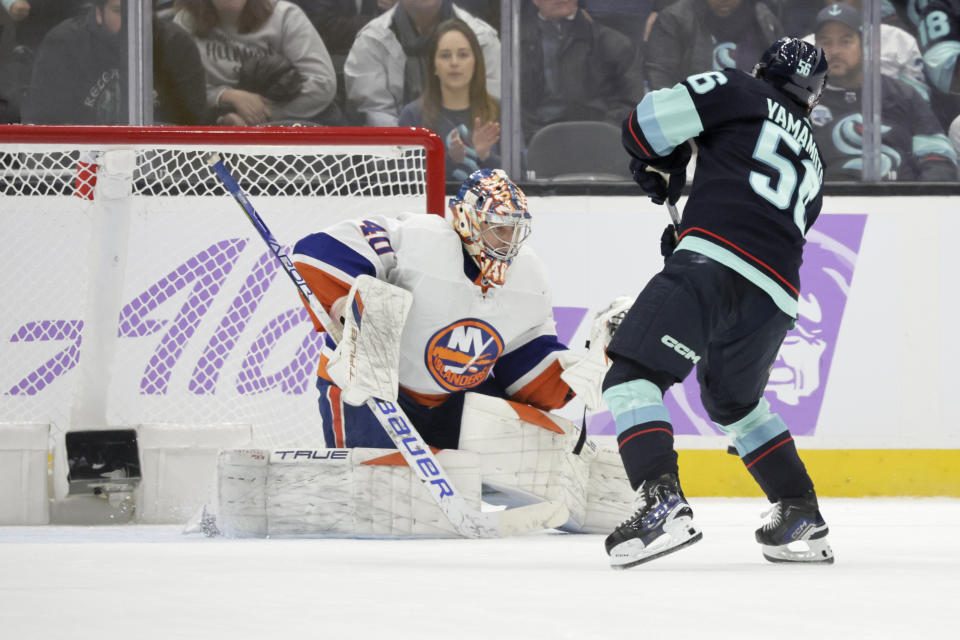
466	521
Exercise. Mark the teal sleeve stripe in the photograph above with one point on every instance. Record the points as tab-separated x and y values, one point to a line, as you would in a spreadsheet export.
750	432
667	118
635	402
939	61
781	298
937	143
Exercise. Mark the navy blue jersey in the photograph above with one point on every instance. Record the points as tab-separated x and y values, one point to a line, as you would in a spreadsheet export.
938	25
757	187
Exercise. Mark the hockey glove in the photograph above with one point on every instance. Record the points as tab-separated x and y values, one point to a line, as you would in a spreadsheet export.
661	187
668	241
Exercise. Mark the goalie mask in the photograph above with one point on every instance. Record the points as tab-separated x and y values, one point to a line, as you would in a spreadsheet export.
490	215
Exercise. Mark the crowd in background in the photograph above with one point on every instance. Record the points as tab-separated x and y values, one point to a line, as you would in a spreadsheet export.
436	63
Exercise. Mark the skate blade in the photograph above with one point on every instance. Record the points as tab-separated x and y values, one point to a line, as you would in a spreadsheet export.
816	552
682	533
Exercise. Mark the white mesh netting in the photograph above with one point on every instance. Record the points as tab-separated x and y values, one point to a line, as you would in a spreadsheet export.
164	306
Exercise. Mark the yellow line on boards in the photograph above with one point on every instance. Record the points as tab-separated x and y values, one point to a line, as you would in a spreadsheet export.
847	473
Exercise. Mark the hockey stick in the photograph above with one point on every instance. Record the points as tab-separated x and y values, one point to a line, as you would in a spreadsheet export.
467	522
674	215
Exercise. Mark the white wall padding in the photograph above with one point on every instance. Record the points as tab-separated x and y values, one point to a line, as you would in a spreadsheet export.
178	466
23	474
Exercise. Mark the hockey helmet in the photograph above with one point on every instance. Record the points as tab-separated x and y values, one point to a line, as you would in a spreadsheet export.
490	215
796	68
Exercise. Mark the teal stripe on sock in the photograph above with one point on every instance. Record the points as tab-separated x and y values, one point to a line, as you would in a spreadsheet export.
653	413
635	402
754	429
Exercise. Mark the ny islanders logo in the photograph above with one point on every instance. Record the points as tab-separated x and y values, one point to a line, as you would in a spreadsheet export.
460	355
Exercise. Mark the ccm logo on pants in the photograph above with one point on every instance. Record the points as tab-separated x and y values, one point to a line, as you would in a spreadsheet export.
680	348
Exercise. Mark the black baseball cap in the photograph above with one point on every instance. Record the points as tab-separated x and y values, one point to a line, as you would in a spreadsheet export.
842	13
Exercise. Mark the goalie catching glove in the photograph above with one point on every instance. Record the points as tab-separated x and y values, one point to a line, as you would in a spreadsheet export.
585	374
367	359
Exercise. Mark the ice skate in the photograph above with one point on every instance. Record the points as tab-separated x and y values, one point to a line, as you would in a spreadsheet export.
662	524
795	532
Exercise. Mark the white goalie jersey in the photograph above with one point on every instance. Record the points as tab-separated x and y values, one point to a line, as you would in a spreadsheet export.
456	334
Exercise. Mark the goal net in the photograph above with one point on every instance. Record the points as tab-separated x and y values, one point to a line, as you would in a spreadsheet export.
135	291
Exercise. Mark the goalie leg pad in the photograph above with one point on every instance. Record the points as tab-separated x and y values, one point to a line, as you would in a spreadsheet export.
526	455
366	361
362	493
610	499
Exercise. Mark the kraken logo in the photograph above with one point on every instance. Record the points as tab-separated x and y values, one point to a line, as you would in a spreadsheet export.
723	56
847	137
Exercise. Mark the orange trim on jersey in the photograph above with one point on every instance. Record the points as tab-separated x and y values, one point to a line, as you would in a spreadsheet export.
533	416
426	399
393	459
759	262
327	288
322	368
547	391
337	409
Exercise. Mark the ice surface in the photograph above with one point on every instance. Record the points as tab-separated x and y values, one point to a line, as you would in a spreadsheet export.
897	575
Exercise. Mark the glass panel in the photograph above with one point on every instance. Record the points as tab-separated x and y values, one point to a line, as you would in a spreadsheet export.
580	75
63	62
913	114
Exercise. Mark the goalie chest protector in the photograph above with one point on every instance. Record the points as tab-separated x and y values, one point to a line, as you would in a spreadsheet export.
455	332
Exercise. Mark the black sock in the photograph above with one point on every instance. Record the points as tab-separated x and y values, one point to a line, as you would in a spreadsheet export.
778	469
647	451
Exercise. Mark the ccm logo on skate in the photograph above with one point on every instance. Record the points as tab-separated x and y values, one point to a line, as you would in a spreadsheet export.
314	454
426	467
680	348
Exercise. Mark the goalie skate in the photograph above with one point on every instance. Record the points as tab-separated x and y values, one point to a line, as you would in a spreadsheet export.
795	532
663	524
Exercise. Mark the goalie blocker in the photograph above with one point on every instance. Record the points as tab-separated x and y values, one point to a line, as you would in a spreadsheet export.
519	454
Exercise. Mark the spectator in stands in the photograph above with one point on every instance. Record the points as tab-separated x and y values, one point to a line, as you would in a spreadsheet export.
264	61
79	77
339	21
486	10
692	36
572	68
899	53
655	9
914	146
30	21
35	18
938	23
455	103
179	79
386	66
626	16
76	77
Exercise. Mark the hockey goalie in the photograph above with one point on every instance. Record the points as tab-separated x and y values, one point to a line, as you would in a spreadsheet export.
451	319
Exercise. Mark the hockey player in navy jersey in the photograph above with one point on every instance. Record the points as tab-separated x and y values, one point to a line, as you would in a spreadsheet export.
726	296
